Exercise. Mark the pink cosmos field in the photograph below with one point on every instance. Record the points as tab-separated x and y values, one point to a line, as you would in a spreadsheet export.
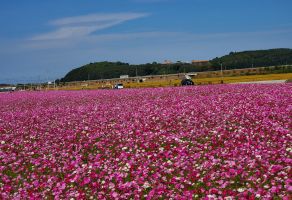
202	142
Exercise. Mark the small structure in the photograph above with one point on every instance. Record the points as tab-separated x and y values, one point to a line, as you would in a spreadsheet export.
167	62
124	76
7	88
200	62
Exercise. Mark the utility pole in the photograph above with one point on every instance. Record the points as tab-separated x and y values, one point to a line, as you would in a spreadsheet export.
39	83
221	73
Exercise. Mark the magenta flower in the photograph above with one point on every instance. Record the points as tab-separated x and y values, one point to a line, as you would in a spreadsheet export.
205	142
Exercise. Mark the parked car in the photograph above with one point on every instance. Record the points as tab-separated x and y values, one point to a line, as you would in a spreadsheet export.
119	86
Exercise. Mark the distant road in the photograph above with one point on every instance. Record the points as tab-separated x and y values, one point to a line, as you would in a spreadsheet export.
262	82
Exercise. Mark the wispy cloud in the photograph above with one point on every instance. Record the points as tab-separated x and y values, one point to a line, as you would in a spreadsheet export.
80	26
93	40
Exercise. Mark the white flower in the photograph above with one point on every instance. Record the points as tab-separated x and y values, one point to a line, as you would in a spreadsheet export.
289	149
111	186
2	142
211	196
241	189
146	185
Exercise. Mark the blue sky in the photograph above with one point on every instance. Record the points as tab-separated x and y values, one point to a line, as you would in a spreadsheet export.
44	39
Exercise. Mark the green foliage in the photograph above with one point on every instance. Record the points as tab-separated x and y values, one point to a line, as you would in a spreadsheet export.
108	70
234	60
247	59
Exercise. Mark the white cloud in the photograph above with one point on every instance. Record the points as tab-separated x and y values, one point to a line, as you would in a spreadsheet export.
92	40
98	18
102	40
80	26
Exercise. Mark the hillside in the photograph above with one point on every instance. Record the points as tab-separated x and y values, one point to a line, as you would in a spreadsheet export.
235	60
260	58
108	70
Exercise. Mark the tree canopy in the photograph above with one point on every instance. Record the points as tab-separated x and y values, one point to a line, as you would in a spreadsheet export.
235	60
248	59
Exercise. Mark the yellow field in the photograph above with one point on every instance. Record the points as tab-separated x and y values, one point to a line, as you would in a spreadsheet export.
205	81
250	78
202	81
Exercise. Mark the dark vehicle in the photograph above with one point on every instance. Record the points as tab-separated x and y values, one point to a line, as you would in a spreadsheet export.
188	79
187	82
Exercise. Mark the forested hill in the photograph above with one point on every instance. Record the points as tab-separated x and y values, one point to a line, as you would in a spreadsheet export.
260	58
107	70
235	60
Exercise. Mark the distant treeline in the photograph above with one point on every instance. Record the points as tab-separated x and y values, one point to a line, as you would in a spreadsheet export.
108	70
260	58
235	60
